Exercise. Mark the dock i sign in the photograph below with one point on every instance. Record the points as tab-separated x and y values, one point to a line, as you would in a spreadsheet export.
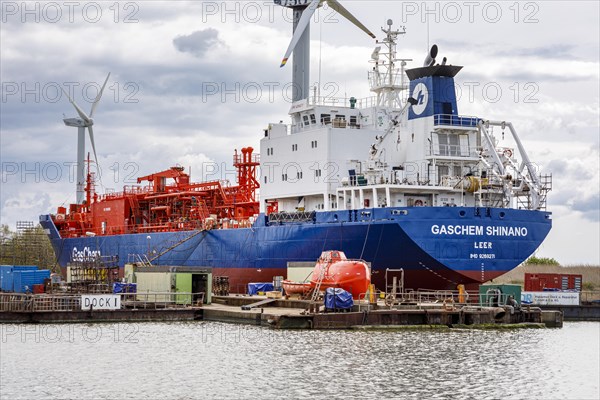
100	301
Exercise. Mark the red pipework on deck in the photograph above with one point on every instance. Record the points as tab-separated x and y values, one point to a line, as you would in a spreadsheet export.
161	206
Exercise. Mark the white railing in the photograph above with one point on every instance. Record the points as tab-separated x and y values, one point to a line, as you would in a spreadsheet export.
427	299
365	102
452	150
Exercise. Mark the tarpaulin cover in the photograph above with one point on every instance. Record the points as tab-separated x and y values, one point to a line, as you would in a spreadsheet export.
338	298
119	287
254	288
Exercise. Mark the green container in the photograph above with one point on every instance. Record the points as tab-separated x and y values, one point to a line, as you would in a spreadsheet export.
499	295
189	282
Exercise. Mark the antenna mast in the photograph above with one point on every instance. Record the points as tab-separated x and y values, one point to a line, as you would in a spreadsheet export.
385	79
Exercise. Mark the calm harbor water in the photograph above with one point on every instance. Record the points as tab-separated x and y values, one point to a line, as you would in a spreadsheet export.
214	360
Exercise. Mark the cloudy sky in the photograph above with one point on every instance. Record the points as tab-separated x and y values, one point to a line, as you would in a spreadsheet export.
191	81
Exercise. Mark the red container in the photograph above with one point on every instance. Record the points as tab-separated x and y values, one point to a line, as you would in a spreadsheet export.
539	282
37	289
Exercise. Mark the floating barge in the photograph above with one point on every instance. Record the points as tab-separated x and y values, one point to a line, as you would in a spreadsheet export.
277	313
293	314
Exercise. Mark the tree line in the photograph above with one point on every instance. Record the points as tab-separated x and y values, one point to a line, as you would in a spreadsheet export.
26	247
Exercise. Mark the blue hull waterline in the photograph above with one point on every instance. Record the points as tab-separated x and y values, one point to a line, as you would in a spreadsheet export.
438	247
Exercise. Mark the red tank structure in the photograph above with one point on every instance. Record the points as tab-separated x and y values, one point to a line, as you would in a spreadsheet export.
167	202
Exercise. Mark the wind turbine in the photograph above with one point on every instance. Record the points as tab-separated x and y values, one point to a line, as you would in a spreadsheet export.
84	121
300	44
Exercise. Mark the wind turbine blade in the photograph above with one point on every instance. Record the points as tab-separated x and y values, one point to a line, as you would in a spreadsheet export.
79	110
300	28
91	131
346	14
98	97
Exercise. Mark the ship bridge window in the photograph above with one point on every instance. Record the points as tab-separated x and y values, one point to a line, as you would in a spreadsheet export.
326	119
294	147
313	144
305	119
339	121
443	170
449	144
353	121
313	119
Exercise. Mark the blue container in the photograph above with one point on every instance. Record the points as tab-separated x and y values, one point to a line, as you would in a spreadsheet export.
6	278
7	275
23	281
25	267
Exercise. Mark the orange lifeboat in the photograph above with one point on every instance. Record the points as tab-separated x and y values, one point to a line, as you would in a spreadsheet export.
353	276
296	287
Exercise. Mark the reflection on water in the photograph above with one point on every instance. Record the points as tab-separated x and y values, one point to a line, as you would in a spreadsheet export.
201	359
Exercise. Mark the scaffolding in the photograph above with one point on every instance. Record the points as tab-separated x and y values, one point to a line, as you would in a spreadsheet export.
28	245
95	275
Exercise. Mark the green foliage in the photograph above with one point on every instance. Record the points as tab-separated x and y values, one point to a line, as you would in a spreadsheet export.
589	286
541	261
29	247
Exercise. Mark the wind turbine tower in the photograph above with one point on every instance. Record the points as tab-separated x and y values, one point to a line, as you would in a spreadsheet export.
84	121
300	44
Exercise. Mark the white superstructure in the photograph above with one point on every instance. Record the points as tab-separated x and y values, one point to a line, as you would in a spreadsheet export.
406	146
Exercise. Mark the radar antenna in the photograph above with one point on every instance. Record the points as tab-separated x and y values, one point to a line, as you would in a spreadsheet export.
385	79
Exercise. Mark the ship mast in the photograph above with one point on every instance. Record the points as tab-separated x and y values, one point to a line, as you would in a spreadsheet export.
89	186
385	79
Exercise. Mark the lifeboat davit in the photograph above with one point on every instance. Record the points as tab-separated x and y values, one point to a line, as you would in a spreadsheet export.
353	276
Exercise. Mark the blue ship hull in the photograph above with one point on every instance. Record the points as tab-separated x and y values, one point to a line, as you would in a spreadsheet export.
438	247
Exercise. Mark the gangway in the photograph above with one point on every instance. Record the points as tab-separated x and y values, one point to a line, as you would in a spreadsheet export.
261	303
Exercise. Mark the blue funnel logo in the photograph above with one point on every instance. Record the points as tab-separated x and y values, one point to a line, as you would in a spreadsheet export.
421	94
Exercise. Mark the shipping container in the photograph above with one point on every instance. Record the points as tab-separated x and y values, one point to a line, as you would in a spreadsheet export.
23	281
7	277
154	282
172	282
25	268
541	282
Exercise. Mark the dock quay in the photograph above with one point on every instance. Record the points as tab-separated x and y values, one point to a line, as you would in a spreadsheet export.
582	312
70	308
292	314
274	313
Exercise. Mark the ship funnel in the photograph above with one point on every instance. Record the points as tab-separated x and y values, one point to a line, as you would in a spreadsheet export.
430	59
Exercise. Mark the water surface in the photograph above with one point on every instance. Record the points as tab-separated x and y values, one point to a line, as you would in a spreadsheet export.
213	360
